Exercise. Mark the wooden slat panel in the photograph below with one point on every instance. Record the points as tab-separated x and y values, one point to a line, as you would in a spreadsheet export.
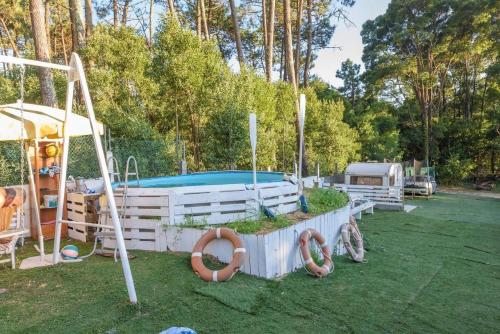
215	207
143	201
277	191
214	197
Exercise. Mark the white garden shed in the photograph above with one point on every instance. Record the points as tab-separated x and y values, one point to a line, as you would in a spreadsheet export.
374	174
381	183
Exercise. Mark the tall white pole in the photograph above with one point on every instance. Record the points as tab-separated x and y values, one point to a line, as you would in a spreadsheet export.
64	170
36	205
253	142
77	63
302	118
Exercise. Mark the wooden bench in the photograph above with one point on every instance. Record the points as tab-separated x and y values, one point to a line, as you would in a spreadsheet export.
361	205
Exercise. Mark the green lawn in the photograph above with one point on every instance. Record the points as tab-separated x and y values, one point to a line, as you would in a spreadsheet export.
436	269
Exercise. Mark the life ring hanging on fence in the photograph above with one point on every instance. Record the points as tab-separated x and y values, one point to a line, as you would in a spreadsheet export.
228	271
357	254
304	240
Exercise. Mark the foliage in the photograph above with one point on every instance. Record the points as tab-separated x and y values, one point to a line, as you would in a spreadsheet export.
454	171
329	141
122	92
262	225
349	73
322	200
433	60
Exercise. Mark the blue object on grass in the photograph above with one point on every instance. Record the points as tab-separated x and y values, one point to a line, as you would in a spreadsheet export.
269	214
303	204
178	330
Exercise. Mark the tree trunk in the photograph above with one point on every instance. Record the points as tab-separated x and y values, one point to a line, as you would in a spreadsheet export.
77	27
47	24
48	92
298	26
264	25
115	14
151	13
125	12
171	7
89	24
63	40
307	64
237	36
291	76
13	44
270	41
198	20
204	19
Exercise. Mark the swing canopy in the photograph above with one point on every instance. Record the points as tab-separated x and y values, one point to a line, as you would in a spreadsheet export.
40	122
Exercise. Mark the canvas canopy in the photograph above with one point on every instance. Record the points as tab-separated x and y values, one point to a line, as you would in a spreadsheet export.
40	122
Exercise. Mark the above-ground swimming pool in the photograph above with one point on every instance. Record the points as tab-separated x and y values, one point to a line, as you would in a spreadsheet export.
207	179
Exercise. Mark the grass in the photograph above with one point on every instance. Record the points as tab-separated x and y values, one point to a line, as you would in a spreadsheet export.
319	201
434	270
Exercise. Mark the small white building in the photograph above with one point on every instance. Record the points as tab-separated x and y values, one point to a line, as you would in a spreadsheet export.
382	183
374	174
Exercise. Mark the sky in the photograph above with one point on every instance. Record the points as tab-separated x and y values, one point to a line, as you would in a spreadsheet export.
347	36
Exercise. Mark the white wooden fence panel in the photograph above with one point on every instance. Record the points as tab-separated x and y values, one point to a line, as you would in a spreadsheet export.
268	255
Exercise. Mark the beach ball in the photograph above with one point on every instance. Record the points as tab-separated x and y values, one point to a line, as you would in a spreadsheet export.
69	252
51	150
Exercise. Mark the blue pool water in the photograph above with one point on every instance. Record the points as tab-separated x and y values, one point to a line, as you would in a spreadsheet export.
211	178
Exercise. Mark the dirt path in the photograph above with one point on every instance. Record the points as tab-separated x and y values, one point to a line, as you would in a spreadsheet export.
461	191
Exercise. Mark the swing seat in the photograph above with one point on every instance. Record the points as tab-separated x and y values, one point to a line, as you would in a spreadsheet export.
8	240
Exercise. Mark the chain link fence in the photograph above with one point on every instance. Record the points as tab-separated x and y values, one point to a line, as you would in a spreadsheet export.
154	158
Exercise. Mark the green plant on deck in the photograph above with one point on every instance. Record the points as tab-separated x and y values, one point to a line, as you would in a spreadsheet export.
323	200
262	224
190	221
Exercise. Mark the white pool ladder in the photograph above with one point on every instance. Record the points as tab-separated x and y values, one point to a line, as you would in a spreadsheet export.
114	168
125	193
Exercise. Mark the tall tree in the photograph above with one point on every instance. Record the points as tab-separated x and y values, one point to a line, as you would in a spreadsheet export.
115	14
77	25
89	23
298	39
270	40
290	70
204	19
237	36
48	91
126	4
171	7
307	63
349	73
150	21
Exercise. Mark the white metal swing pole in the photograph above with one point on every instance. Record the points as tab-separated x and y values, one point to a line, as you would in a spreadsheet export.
78	67
36	204
302	118
64	169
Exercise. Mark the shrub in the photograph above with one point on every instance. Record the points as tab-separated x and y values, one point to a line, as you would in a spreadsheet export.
454	171
324	200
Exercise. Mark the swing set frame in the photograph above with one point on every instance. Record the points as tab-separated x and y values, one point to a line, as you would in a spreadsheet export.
75	73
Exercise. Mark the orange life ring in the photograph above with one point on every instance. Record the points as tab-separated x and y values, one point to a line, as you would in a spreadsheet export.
228	271
318	271
347	230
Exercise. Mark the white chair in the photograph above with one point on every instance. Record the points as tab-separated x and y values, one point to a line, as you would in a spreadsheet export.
15	232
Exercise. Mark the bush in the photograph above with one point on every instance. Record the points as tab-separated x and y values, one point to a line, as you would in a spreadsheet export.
454	171
324	200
